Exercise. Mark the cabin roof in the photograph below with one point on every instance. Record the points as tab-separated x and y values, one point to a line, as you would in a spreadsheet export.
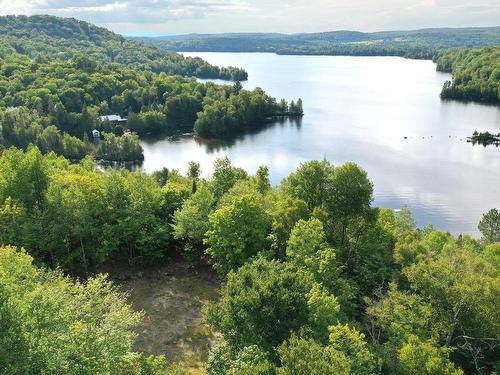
111	118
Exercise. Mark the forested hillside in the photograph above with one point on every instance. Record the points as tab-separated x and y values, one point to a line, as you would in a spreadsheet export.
55	103
314	279
476	74
65	38
420	44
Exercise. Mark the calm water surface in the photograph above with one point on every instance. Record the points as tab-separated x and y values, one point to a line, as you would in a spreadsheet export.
361	109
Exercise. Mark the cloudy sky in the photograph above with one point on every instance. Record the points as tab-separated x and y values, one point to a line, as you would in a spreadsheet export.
209	16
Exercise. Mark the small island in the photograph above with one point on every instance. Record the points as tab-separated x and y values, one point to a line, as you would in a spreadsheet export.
484	139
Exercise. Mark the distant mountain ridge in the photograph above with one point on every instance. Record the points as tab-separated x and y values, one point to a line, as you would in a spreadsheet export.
421	43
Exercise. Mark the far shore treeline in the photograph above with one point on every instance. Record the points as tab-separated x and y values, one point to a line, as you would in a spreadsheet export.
472	55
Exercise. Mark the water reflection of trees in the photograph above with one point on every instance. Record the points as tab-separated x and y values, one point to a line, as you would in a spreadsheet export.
217	145
131	166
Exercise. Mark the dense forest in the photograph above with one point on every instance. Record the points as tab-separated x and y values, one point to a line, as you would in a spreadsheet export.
55	103
476	74
65	38
420	44
314	279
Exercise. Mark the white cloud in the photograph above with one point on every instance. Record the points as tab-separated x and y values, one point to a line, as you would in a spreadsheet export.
265	15
97	8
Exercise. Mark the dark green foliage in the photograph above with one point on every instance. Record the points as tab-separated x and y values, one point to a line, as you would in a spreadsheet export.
476	74
76	217
61	74
485	138
231	112
262	311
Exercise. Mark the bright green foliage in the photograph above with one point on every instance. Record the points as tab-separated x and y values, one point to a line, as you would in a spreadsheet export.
175	191
452	301
191	221
404	220
490	226
310	182
263	311
225	176
262	179
24	177
308	250
352	343
426	300
241	188
323	311
401	314
306	240
423	358
414	246
194	170
300	356
463	288
492	254
285	212
238	232
60	326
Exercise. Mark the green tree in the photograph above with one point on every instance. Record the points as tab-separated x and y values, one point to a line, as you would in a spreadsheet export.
462	287
349	193
238	232
302	356
225	176
310	182
490	226
52	324
194	170
262	311
251	360
285	212
191	221
307	250
262	179
423	358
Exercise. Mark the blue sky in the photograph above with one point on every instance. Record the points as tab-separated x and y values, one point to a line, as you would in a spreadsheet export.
157	17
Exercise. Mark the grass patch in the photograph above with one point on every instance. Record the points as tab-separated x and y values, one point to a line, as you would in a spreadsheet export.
172	299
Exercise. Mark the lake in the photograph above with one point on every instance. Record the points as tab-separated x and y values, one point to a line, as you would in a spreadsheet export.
383	113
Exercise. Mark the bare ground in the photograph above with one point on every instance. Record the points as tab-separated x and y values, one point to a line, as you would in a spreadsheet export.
172	298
